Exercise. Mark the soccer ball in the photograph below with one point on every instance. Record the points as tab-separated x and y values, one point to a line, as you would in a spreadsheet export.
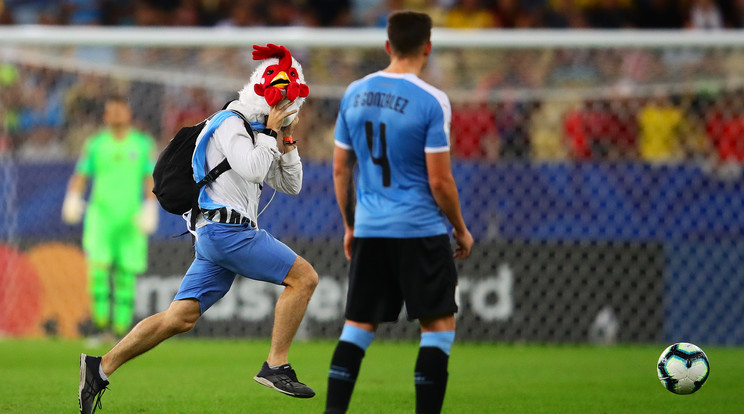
683	368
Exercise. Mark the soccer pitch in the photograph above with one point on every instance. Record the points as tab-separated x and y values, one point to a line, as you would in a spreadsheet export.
186	375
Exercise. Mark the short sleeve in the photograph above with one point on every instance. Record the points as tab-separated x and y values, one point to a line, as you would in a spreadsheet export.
342	138
438	134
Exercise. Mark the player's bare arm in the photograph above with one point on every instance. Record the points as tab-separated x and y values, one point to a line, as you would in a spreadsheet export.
444	190
343	182
77	183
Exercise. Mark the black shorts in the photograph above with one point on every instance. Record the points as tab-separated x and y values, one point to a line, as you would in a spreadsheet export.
387	272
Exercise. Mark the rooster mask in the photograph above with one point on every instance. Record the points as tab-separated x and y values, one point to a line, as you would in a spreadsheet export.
279	76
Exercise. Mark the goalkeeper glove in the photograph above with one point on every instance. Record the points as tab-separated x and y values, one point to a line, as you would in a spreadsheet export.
73	207
149	215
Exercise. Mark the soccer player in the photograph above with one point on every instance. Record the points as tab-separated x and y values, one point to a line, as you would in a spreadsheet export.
396	127
121	213
228	243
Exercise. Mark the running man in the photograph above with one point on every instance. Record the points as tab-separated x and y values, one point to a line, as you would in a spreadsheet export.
229	243
396	128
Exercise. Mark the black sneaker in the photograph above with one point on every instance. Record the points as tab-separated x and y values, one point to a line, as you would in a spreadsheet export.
283	379
91	386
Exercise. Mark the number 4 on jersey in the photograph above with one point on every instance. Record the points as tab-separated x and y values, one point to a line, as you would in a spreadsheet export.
382	160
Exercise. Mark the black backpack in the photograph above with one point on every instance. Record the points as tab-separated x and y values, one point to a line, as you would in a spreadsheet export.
173	175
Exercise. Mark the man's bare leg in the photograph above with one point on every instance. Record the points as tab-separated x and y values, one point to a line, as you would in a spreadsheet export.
276	373
180	317
290	309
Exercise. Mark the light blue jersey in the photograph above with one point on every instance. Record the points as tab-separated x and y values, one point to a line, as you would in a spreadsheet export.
391	121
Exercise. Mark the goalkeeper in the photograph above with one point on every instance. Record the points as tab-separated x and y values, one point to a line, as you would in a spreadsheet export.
121	213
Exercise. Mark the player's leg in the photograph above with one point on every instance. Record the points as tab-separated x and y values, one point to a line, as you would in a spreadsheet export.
131	260
100	292
124	295
346	362
373	297
437	337
99	253
429	282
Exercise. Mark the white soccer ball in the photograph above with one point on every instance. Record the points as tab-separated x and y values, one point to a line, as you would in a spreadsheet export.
683	368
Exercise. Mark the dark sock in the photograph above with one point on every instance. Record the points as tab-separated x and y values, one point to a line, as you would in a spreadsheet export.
431	379
343	374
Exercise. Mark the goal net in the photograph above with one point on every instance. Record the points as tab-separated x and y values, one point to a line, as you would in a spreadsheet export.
600	173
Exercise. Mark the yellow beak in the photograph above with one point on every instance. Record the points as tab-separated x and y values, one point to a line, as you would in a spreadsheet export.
281	80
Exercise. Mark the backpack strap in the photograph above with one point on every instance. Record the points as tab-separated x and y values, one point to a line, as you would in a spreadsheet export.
222	166
214	173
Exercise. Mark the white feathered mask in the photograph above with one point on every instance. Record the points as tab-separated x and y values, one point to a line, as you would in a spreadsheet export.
279	76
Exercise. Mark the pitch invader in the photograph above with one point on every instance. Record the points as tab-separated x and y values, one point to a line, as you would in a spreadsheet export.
254	134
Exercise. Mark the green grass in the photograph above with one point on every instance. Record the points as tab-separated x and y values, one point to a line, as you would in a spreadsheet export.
216	376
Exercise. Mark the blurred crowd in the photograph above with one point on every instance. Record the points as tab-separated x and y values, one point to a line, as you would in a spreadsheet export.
659	129
46	114
605	14
545	105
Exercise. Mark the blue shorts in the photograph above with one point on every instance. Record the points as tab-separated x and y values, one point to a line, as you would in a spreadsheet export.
223	251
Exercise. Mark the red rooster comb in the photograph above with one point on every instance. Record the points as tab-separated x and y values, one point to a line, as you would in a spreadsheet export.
281	76
273	51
